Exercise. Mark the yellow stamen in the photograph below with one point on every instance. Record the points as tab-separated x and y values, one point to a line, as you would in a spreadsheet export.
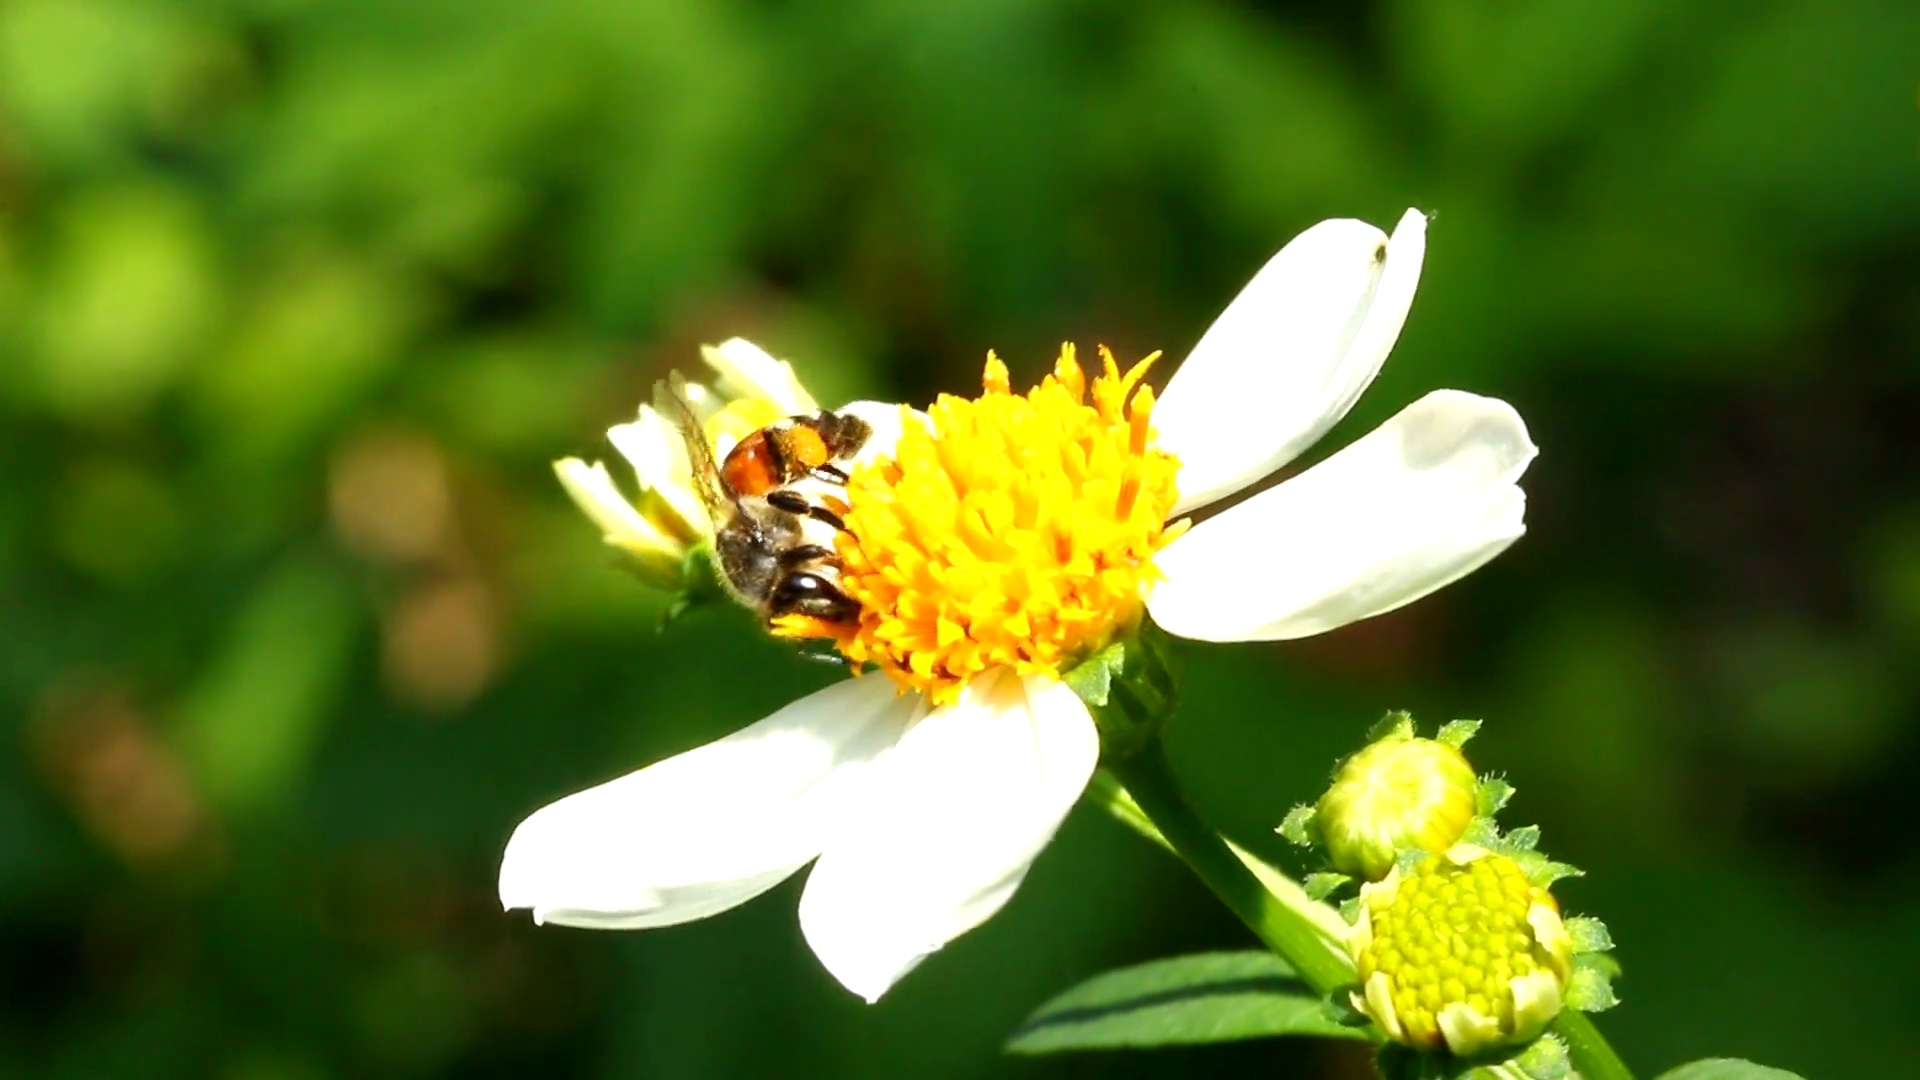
1012	532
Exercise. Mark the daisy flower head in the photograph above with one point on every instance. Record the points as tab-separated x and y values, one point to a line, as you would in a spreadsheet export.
994	542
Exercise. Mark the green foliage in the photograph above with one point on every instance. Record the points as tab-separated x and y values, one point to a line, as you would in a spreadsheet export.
1205	998
298	300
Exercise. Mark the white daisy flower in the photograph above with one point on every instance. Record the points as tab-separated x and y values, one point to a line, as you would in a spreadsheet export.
1004	539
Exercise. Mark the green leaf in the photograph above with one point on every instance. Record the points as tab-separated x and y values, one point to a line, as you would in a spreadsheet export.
1205	998
1726	1069
1455	733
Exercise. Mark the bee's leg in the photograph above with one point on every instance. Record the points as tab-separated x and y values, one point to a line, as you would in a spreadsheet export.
831	474
795	503
791	501
821	513
805	553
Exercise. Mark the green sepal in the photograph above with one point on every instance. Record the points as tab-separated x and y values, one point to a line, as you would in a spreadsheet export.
1524	838
1495	793
1129	689
1590	989
1604	963
1455	733
1545	1059
1350	909
1539	869
1589	934
1398	723
1482	832
1322	885
1297	826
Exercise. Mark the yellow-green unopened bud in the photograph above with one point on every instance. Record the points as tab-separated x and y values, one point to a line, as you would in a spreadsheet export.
1462	953
1400	792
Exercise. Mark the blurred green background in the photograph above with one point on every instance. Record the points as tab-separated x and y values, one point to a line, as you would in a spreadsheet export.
298	299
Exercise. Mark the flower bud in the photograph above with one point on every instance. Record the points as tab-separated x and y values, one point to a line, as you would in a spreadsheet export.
1399	792
1460	953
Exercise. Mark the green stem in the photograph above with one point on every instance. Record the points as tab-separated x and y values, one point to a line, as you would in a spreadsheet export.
1149	778
1592	1057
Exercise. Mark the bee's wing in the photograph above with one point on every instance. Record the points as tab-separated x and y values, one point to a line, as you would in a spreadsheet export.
670	397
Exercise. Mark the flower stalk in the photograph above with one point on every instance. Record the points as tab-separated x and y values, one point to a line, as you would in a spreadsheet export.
1592	1055
1148	777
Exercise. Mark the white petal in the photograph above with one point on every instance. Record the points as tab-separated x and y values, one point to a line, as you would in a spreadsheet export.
887	421
658	454
946	828
703	831
748	371
594	492
1290	355
1422	500
1467	1031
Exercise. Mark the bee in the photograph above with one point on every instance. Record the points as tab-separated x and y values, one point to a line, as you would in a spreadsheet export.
767	537
797	448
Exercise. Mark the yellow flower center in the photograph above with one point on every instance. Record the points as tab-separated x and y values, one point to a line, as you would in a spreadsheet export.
1456	935
1011	531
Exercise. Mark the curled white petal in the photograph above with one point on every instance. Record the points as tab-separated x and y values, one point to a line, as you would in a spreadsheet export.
1537	999
1467	1030
946	827
705	830
748	371
594	492
658	454
1422	500
1287	359
1378	1003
